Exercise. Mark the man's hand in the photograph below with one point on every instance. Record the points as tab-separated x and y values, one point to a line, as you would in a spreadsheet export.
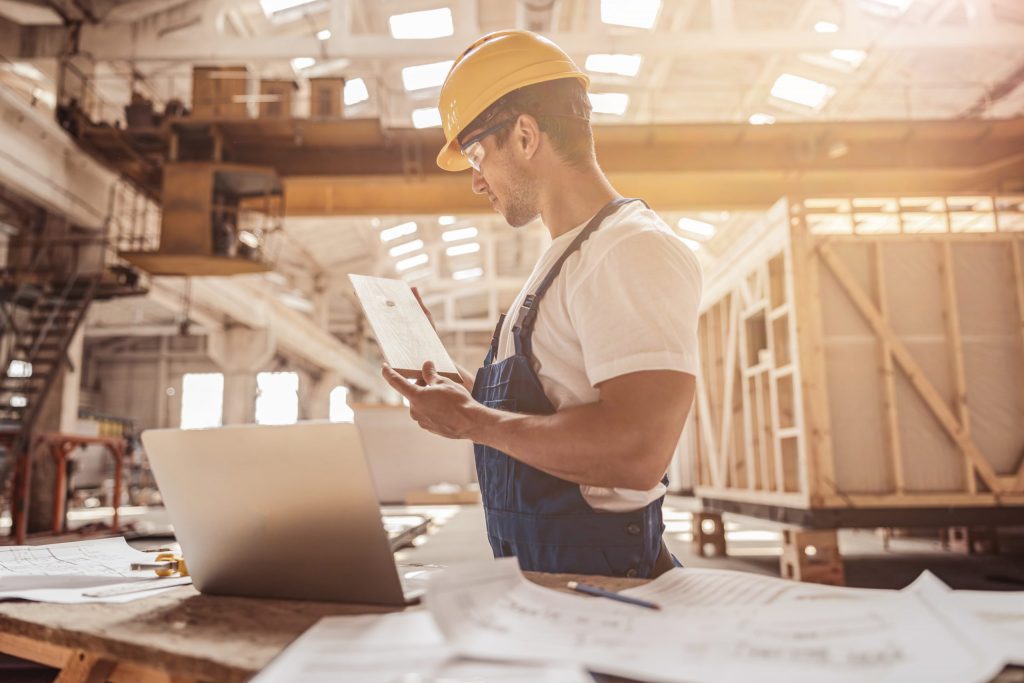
440	405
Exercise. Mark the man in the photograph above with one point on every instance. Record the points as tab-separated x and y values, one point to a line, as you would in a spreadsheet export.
578	409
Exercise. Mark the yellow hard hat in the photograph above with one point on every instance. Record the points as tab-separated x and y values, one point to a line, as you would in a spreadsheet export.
495	65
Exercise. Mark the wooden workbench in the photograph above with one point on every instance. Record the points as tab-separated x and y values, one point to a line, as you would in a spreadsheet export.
176	636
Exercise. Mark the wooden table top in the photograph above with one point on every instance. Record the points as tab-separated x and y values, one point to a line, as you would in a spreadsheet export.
207	637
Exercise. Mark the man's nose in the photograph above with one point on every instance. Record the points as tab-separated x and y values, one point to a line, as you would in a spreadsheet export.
479	184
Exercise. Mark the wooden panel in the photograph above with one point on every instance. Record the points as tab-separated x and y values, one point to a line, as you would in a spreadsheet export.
219	92
281	107
326	97
403	332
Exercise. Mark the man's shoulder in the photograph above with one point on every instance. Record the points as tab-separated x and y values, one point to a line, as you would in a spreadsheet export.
634	227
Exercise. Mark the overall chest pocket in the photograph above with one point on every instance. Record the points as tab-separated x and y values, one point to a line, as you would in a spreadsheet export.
495	470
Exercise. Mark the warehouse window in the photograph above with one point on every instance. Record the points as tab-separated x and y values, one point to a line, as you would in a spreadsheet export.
202	400
340	410
277	398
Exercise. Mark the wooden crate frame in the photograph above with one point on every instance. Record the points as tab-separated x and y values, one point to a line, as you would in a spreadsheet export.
764	426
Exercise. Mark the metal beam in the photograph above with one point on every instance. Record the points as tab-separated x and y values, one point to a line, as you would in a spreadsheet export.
143	44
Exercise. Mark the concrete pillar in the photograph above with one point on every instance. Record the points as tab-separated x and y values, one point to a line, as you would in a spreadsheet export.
71	390
241	353
315	395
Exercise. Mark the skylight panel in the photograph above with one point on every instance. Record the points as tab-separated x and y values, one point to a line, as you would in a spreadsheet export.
468	274
274	6
446	220
462	249
324	34
431	23
429	117
633	13
826	27
459	234
854	58
424	76
761	119
355	92
886	8
609	102
803	91
619	64
300	63
411	262
699	228
406	248
402	230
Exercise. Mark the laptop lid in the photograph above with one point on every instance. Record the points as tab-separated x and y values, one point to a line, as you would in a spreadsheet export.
276	511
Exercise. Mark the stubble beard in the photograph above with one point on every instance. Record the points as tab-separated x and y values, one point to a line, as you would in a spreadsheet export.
521	206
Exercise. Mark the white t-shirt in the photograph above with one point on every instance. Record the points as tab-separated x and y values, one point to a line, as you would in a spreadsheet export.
626	301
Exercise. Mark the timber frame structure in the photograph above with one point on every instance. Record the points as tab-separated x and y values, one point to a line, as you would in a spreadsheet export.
862	362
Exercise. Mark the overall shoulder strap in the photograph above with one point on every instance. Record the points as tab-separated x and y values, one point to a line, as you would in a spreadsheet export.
523	330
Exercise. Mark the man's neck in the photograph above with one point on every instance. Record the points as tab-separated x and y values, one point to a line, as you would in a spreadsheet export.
574	197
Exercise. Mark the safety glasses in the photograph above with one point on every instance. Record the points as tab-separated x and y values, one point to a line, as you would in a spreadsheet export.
473	150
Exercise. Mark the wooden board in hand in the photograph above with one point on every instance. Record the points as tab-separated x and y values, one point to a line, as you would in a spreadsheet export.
403	331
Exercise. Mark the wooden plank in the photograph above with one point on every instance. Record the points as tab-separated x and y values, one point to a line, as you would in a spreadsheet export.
910	367
38	651
925	500
810	350
755	479
82	667
707	430
892	422
725	439
951	316
404	333
1018	281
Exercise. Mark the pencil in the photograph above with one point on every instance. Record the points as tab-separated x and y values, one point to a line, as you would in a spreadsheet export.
601	593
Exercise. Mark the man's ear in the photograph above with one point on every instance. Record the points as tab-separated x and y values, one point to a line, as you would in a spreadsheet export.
526	135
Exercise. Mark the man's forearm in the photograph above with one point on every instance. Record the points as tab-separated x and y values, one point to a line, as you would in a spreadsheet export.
584	444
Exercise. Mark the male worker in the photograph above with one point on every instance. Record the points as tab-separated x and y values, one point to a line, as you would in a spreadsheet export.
580	403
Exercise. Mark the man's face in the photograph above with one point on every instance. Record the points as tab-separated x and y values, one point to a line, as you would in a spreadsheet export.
506	178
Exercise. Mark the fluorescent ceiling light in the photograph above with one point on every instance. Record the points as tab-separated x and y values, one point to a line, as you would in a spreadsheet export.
852	57
424	76
460	234
431	23
446	220
622	65
467	274
411	262
273	6
760	119
300	63
402	230
635	13
609	102
355	92
324	35
462	249
826	27
802	91
429	117
406	248
694	245
695	227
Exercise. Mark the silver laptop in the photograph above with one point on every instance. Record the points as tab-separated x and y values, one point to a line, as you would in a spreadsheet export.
277	512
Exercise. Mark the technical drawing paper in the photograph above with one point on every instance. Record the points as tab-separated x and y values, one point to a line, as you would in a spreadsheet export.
70	572
393	648
1002	612
490	610
722	587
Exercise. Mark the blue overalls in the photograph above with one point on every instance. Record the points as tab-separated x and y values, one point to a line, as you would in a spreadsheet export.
537	517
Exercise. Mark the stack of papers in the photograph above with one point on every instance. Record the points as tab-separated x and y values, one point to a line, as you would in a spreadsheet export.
486	622
84	571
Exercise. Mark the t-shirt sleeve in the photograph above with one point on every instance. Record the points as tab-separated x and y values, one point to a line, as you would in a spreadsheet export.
637	307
